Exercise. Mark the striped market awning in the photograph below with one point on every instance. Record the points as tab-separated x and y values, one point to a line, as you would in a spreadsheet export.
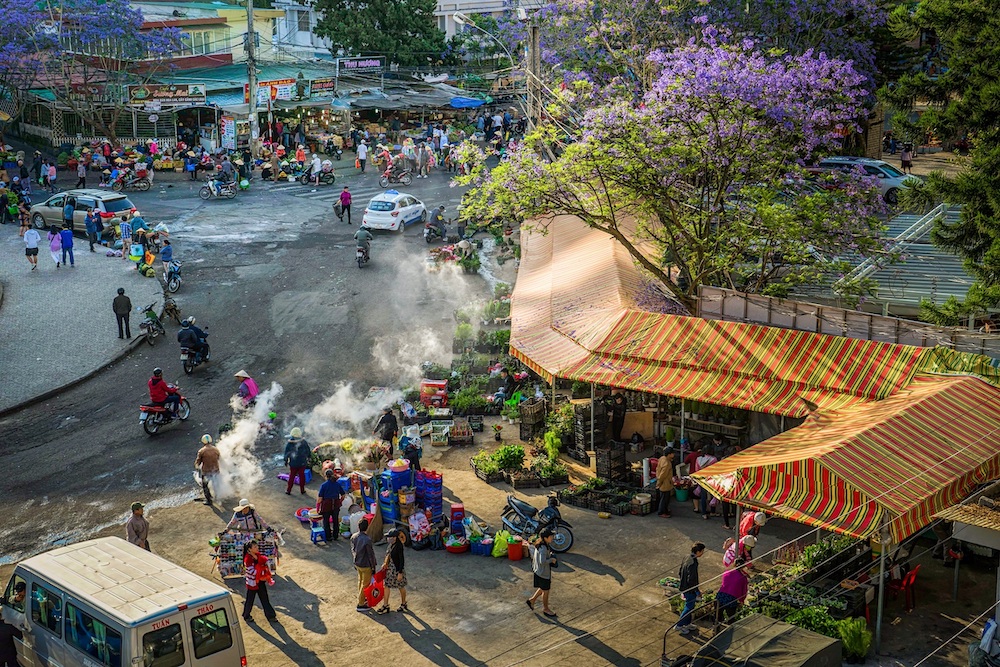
900	460
581	310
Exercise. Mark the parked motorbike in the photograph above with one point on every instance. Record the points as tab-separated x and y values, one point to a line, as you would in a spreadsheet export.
227	190
170	308
391	176
192	358
362	256
151	326
155	417
520	518
326	176
331	148
129	181
173	277
156	237
432	232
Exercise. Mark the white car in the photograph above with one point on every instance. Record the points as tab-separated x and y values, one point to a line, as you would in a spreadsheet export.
393	210
890	179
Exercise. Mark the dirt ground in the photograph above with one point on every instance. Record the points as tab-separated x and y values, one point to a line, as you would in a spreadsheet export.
470	610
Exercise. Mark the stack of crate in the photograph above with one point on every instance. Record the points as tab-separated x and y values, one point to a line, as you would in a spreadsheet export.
582	432
611	462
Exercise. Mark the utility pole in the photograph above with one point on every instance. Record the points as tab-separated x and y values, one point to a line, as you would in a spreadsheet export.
534	72
251	45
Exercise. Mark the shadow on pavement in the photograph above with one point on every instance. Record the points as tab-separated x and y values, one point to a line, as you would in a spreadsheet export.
300	655
429	642
306	607
599	648
588	564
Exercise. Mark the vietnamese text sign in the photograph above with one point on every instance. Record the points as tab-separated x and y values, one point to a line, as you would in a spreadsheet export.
360	65
167	94
323	86
228	126
280	89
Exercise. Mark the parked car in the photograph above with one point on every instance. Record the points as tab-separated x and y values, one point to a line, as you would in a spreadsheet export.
109	205
393	210
889	178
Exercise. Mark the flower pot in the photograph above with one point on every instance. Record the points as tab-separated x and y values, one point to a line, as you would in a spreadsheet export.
682	494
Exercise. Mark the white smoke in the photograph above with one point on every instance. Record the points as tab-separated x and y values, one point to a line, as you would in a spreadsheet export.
239	469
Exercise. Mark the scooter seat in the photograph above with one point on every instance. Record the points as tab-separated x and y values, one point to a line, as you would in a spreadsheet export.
522	507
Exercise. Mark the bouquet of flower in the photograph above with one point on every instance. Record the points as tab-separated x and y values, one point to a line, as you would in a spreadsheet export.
683	482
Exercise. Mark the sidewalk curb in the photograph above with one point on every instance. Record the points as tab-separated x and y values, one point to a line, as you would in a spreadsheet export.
6	412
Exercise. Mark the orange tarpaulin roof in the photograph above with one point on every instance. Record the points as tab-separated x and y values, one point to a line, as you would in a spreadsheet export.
899	460
582	311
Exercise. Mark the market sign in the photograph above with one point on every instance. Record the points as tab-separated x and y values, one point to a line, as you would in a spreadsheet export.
323	87
228	126
279	89
374	64
158	95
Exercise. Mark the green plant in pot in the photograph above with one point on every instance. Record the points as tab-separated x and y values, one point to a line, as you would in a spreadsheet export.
464	333
857	639
669	434
509	457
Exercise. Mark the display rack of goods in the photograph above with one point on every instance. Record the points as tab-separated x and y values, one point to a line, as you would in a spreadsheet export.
229	550
460	434
612	464
486	468
583	436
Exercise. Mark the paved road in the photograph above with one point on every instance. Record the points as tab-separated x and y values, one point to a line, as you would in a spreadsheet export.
275	280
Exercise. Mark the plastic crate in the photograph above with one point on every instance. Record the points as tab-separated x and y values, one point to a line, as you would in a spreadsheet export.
641	509
476	423
528	432
532	411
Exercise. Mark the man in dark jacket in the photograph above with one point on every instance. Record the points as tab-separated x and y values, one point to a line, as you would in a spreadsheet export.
331	497
387	426
122	306
36	166
689	586
363	552
297	453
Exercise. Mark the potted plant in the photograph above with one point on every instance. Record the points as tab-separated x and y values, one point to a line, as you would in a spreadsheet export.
376	458
509	457
682	488
669	434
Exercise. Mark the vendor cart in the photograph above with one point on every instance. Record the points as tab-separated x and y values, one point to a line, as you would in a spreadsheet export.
229	550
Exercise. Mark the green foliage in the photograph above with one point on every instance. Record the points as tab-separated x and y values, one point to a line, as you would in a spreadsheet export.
959	100
464	333
856	636
817	619
509	457
501	338
560	420
470	263
468	398
485	462
501	290
670	433
498	308
548	468
580	389
405	30
552	445
462	317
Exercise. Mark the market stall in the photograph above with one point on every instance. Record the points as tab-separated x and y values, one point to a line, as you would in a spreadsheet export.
229	544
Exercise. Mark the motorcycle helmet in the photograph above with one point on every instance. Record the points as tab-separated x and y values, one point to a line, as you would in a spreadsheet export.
760	518
218	167
157	372
191	320
185	324
206	439
441	208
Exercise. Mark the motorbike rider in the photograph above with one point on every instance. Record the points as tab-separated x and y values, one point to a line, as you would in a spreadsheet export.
192	337
218	179
437	220
161	393
363	238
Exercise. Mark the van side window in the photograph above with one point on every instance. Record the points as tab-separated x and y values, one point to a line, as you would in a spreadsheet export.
46	609
15	593
163	647
93	637
211	633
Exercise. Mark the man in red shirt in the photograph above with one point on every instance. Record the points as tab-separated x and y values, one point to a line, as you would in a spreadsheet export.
161	393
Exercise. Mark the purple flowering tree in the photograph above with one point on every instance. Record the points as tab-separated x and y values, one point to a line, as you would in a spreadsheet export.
702	181
87	52
18	68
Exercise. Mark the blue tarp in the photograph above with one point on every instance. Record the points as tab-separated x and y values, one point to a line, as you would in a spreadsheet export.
466	103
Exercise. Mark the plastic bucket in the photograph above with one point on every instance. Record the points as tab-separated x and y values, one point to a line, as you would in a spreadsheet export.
515	551
682	494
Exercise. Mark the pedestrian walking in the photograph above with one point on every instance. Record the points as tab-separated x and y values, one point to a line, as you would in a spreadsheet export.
137	527
423	161
362	155
363	552
732	593
329	502
90	223
52	177
81	174
689	586
542	561
207	464
665	481
55	245
67	244
36	167
297	453
166	256
395	575
387	427
122	306
345	204
31	240
906	159
257	576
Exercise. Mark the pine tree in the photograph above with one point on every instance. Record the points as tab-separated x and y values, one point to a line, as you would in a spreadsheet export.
405	31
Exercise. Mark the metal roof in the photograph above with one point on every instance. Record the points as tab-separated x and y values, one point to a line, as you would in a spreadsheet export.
972	513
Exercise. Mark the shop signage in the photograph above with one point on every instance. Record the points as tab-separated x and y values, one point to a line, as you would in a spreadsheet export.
166	95
321	87
280	89
375	64
228	126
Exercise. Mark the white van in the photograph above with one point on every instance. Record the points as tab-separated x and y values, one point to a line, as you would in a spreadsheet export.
108	602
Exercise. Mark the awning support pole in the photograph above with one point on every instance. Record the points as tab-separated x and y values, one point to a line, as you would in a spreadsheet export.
592	409
682	430
782	423
997	614
954	586
553	406
881	589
